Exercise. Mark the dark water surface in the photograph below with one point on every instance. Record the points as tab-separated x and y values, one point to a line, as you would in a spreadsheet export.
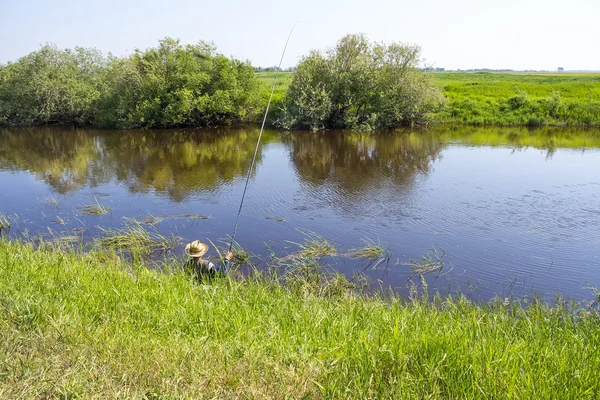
516	212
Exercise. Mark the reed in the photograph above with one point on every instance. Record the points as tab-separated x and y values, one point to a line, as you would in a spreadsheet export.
371	250
432	261
51	202
4	221
313	246
134	238
95	209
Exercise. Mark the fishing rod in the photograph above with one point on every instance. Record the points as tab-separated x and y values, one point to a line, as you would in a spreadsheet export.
237	219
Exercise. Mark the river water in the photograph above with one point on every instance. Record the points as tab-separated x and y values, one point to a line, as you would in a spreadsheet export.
511	212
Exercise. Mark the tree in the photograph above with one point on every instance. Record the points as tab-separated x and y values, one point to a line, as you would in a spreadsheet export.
176	85
170	85
51	86
358	84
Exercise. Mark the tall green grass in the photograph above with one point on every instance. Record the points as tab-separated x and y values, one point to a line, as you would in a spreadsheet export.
77	326
4	221
266	80
520	98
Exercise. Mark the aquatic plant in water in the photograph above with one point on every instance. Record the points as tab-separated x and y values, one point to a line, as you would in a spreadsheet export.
95	209
314	246
4	221
370	250
135	238
432	261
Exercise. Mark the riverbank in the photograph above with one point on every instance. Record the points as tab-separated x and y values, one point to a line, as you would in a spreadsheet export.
512	99
93	326
503	99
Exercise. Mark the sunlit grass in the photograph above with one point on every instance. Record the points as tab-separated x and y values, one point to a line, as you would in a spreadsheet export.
370	250
484	98
4	221
85	326
313	246
432	261
134	237
532	99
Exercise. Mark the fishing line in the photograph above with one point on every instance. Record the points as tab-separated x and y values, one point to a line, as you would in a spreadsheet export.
237	219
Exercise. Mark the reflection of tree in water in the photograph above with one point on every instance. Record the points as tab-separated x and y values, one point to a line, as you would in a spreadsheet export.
362	163
175	162
546	138
181	162
65	159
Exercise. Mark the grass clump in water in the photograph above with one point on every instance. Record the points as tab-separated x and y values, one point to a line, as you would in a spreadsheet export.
148	220
432	261
95	209
135	238
371	251
240	255
314	246
4	221
92	327
59	221
190	216
51	202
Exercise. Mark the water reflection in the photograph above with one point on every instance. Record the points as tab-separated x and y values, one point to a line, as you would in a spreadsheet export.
545	138
177	163
183	162
362	163
64	159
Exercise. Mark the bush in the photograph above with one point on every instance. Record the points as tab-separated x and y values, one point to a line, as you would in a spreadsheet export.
170	85
51	86
359	84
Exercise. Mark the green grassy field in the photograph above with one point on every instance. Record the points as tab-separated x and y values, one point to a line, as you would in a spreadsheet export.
283	81
508	99
92	326
520	98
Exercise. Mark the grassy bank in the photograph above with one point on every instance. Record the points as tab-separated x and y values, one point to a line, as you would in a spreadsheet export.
266	80
520	98
508	99
90	326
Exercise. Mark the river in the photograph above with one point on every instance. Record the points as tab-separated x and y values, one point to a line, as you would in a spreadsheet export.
512	212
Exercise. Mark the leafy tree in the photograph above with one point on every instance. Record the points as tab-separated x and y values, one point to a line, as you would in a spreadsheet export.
175	85
170	85
51	86
359	84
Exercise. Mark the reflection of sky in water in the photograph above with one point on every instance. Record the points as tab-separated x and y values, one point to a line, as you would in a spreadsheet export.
510	221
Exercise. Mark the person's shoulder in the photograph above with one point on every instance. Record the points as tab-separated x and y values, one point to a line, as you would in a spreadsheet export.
206	263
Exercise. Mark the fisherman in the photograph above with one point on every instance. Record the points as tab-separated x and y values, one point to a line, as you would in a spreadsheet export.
204	268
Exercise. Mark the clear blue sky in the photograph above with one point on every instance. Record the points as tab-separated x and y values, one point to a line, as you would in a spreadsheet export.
515	34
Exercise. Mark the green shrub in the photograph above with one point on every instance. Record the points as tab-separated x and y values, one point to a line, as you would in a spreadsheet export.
170	85
359	84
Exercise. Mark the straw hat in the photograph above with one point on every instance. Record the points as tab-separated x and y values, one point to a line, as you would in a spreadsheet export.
196	249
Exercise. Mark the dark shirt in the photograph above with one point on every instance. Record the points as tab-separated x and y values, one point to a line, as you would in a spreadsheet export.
205	268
